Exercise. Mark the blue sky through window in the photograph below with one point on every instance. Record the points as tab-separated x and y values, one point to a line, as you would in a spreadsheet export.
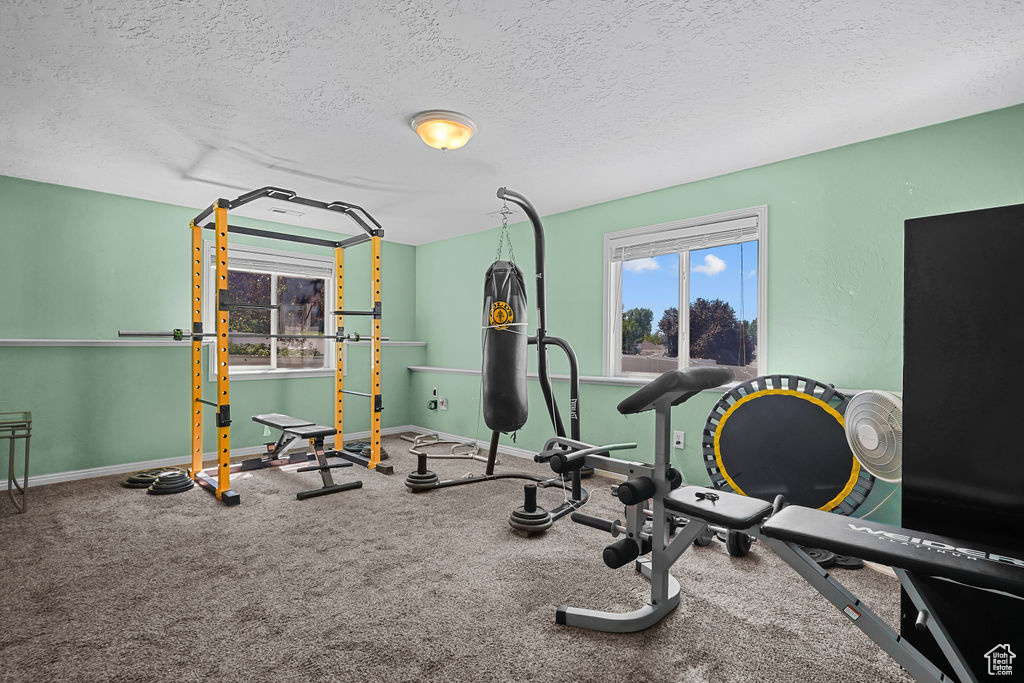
715	273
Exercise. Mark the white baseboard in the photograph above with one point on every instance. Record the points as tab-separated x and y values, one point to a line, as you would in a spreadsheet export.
184	461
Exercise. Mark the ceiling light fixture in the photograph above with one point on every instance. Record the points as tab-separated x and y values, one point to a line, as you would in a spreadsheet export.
443	130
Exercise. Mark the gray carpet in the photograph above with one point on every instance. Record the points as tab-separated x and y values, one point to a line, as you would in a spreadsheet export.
380	584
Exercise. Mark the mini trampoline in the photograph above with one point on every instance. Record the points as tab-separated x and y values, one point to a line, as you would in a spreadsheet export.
784	434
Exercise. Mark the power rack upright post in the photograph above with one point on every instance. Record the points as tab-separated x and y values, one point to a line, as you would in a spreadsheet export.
220	483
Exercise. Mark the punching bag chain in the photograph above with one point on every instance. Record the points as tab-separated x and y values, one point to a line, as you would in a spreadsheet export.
503	236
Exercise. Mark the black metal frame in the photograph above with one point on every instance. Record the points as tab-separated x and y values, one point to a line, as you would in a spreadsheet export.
357	213
541	339
424	480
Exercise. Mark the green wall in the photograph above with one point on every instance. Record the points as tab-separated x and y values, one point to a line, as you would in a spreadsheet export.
834	274
81	265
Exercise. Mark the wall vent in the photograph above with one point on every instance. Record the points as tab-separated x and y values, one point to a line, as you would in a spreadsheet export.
286	212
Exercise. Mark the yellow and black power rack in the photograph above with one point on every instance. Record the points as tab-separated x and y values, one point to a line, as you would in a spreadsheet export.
218	482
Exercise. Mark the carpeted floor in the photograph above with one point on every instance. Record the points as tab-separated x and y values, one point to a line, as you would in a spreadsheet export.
380	584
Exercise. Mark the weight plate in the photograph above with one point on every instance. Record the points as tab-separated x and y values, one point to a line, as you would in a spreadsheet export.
145	478
847	562
824	558
174	481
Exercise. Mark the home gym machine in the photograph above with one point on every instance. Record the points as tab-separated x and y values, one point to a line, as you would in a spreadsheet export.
663	519
503	380
219	482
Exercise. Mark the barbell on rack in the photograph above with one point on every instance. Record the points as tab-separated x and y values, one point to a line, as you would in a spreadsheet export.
181	335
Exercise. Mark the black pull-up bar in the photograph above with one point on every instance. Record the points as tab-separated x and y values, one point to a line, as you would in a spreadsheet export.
286	237
353	211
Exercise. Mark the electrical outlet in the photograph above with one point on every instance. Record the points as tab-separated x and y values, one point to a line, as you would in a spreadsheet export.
679	439
433	392
442	403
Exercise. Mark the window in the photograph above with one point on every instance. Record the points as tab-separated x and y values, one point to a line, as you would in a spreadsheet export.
291	295
715	264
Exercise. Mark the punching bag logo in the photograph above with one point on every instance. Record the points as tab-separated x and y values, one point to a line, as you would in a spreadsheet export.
501	315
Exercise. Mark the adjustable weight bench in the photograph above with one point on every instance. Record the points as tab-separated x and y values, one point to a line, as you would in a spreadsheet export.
910	553
292	429
275	455
663	519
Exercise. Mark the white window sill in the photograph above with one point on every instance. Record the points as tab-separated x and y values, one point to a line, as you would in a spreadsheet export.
289	373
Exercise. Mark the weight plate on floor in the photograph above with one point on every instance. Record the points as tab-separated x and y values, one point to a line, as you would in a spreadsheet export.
363	448
175	481
145	478
824	558
847	562
530	522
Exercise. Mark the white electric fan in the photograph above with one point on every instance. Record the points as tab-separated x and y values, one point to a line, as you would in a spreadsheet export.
874	430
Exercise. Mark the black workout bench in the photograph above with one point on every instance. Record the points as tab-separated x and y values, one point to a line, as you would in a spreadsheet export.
291	429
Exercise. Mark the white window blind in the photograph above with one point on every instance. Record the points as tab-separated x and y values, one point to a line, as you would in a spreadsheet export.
244	257
664	239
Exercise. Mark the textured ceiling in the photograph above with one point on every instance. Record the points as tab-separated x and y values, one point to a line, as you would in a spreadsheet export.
577	102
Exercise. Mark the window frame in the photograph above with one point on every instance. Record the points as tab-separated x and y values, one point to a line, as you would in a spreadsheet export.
689	227
274	262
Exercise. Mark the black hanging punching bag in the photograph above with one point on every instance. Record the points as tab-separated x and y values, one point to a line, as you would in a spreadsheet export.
504	348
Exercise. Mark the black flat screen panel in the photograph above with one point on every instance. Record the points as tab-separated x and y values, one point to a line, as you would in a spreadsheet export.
963	409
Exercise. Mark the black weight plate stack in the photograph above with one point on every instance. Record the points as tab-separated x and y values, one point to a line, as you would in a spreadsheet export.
167	483
847	562
143	479
530	522
824	558
421	482
363	448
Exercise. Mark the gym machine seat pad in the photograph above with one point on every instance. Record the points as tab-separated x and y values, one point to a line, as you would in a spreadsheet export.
923	553
726	509
311	431
280	421
677	384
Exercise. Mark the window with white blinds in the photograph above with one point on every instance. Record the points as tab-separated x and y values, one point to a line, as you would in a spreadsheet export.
671	238
246	257
686	293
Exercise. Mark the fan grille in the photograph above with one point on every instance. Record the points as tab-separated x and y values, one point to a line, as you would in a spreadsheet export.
874	430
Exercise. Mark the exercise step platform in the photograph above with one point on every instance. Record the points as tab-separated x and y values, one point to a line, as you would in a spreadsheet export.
726	509
915	551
